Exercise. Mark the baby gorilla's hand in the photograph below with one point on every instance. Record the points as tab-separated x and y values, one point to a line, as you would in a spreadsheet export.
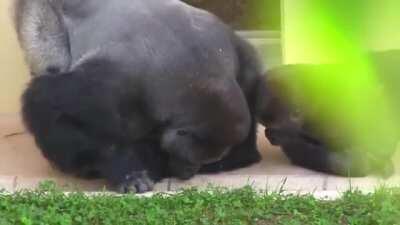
136	182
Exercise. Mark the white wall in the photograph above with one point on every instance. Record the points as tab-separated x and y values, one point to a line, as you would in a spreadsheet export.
13	72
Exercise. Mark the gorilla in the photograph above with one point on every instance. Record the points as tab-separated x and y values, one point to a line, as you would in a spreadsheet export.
307	144
134	91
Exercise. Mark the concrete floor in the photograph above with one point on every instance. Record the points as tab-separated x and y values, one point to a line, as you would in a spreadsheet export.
22	166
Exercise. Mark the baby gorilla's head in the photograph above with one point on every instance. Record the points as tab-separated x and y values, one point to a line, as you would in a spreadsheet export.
215	119
189	148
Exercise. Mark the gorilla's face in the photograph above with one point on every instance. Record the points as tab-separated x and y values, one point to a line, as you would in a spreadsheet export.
190	148
209	126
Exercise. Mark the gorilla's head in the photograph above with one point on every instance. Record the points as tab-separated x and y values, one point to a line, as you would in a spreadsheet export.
211	119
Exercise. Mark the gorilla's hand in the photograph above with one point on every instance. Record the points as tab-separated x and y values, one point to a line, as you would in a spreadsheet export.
136	182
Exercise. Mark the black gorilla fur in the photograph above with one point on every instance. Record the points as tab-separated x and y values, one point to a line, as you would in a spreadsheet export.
78	122
175	94
301	137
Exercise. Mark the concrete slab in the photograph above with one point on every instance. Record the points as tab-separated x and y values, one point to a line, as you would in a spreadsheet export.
68	183
343	184
273	183
21	157
10	124
364	184
7	183
231	181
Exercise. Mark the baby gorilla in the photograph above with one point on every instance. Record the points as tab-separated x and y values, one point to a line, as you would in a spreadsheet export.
316	146
139	90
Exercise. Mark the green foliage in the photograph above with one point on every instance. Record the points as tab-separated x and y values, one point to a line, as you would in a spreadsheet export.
48	205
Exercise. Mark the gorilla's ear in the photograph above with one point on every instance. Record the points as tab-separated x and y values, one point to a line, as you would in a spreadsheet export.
42	35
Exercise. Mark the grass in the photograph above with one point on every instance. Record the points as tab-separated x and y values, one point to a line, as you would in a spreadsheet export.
48	205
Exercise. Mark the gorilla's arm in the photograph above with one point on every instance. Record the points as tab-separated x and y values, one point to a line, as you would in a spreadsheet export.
42	35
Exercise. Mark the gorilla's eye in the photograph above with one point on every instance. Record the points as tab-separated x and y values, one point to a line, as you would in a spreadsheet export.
182	132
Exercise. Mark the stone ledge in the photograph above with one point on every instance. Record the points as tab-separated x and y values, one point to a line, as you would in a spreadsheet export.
7	183
74	184
364	184
261	182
